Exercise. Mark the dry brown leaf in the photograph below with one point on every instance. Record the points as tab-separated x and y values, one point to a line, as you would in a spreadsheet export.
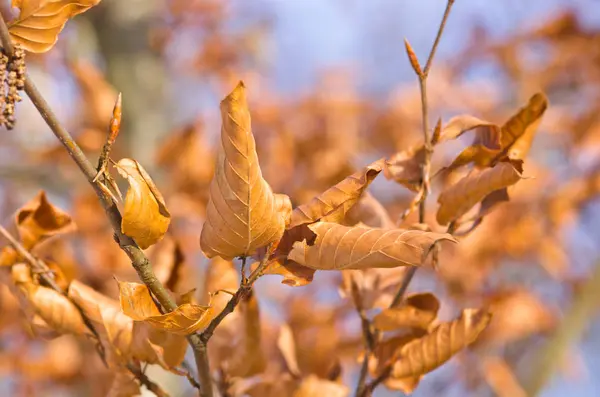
122	337
459	198
249	359
387	350
333	204
124	385
145	216
458	125
405	167
417	310
312	386
56	310
39	219
338	247
287	347
243	214
369	211
137	303
423	355
485	147
519	130
167	260
39	22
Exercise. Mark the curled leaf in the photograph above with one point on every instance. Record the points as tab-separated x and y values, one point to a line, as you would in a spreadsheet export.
432	350
405	167
459	198
333	204
145	217
56	310
243	214
122	337
337	247
417	311
519	130
458	125
39	219
39	22
137	303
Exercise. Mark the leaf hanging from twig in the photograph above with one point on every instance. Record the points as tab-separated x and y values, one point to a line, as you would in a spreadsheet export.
137	303
55	309
337	247
459	198
432	350
145	216
405	167
333	204
39	22
243	214
417	310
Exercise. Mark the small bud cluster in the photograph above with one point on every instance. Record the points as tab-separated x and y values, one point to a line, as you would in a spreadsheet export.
12	80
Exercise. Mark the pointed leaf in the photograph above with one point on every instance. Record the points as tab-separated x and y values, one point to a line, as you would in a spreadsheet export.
145	216
429	352
39	22
337	247
137	303
55	309
333	204
39	219
459	198
243	213
458	125
518	131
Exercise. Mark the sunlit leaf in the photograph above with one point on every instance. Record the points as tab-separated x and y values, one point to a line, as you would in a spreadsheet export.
405	167
54	308
39	219
458	125
423	355
333	204
145	216
519	130
312	386
287	347
243	213
338	247
417	311
137	303
39	22
124	385
459	198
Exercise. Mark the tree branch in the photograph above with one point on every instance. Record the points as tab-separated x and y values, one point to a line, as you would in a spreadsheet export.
139	261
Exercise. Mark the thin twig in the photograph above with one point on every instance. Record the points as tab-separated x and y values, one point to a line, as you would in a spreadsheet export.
425	176
139	261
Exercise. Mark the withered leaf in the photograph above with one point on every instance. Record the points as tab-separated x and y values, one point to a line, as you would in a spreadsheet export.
369	211
338	247
39	219
287	347
459	198
137	303
39	22
249	359
243	214
432	350
124	385
387	350
519	130
405	167
145	216
333	204
55	309
458	125
417	310
124	338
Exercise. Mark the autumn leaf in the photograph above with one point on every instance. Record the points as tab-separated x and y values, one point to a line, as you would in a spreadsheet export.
423	355
458	125
124	385
39	22
370	212
39	219
55	309
386	351
338	247
287	347
124	338
312	386
459	198
405	167
243	214
97	95
137	303
417	311
333	204
145	216
519	130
